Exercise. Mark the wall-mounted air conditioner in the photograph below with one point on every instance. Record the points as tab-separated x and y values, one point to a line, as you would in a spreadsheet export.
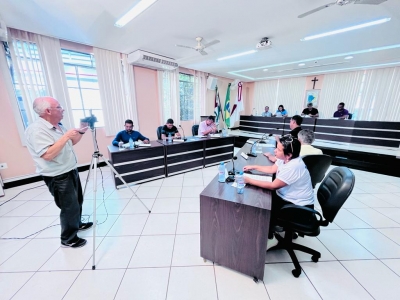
152	61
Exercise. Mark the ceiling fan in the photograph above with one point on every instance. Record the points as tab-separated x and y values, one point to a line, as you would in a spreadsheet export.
200	47
341	3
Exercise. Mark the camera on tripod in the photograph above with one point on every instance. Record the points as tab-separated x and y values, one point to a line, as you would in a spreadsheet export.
90	120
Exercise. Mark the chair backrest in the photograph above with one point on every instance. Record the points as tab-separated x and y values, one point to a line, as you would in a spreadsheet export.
195	130
317	165
334	191
350	116
159	128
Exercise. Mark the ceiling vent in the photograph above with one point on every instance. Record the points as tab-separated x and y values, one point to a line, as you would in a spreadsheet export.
152	61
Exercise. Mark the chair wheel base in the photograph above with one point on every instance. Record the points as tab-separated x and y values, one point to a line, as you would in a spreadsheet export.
255	279
315	258
296	272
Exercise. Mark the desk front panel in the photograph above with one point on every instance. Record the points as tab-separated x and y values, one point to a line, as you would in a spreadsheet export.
181	157
218	150
269	125
139	164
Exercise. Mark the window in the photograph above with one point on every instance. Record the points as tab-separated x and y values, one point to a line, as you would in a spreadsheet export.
83	86
186	83
27	69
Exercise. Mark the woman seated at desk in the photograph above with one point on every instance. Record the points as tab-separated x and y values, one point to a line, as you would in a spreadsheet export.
281	112
292	182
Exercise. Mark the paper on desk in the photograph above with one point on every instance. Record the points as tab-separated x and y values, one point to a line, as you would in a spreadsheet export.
144	145
201	136
258	177
215	135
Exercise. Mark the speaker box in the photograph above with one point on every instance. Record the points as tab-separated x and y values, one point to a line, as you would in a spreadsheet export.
211	83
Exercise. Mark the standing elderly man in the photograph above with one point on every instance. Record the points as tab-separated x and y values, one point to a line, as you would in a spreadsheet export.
50	145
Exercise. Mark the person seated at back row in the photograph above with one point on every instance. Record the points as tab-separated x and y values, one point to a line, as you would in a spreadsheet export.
266	112
306	138
341	112
310	111
281	112
207	126
125	135
170	129
292	182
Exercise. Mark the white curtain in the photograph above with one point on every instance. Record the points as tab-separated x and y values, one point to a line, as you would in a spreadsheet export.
168	83
130	93
199	96
265	94
116	89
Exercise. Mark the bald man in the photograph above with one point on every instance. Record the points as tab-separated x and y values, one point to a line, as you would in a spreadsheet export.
50	145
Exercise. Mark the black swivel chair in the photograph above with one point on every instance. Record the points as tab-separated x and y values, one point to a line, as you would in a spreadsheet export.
332	193
317	165
350	116
195	130
159	128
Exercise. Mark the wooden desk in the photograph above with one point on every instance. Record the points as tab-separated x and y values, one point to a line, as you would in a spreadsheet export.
139	164
234	227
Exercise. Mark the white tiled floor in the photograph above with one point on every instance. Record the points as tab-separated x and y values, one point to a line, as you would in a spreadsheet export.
157	256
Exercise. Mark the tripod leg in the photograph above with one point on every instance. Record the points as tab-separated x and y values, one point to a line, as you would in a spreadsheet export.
88	176
123	181
94	162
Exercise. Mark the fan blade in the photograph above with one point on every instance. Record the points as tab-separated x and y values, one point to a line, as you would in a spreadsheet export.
183	46
202	52
316	9
374	2
211	43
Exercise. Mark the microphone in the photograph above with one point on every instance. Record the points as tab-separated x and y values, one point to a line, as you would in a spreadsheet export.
253	148
233	171
183	132
264	137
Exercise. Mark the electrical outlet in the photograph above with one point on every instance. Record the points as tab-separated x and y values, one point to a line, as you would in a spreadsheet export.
3	166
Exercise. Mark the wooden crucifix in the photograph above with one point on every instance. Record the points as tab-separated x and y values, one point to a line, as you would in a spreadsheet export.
314	80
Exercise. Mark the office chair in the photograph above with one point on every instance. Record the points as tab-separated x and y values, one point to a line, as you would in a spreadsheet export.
159	128
317	165
195	130
332	193
350	116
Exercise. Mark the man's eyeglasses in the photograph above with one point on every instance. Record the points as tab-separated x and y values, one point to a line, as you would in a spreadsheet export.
58	107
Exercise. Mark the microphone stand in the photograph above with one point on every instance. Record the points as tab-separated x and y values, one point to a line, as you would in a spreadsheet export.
233	171
183	132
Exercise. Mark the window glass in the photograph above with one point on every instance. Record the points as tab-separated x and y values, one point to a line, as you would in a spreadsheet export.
186	83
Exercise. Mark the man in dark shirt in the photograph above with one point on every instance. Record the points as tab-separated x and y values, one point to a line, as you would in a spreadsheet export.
310	111
295	123
168	129
341	113
125	135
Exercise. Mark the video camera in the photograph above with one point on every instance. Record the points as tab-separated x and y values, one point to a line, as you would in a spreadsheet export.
90	120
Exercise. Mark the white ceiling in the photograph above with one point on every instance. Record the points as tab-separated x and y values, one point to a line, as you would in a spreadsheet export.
239	25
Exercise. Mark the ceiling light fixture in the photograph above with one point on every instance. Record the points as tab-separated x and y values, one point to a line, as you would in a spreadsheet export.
302	64
238	54
134	12
348	57
265	70
363	25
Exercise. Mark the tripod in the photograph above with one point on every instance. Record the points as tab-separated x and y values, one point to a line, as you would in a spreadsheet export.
95	159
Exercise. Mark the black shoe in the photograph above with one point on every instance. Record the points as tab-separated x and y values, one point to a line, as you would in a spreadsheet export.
79	243
85	226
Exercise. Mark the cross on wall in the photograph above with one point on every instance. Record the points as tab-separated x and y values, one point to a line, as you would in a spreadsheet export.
314	80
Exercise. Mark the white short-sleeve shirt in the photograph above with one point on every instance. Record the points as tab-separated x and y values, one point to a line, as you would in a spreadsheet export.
299	189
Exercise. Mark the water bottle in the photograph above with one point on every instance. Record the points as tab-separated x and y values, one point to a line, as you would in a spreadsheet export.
130	143
169	138
121	145
224	132
221	172
240	183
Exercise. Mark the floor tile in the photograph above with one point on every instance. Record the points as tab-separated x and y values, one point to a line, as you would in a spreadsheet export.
192	283
8	223
207	179
166	205
192	191
194	174
193	181
189	205
28	209
375	277
30	227
114	252
145	283
170	192
391	198
153	251
98	284
47	285
10	283
187	251
136	206
282	285
123	193
112	207
104	224
392	213
346	220
10	247
371	200
49	210
158	182
147	192
9	206
188	223
32	256
128	225
160	224
373	218
393	264
29	194
327	277
376	243
232	285
343	246
173	181
391	233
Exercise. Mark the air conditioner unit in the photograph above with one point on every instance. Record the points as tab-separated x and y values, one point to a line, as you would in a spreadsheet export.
3	31
152	61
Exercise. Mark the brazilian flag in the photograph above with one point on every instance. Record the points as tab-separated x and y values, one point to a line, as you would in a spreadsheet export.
227	110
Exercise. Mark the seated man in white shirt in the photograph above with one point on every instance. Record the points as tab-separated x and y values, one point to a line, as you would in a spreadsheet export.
306	138
208	126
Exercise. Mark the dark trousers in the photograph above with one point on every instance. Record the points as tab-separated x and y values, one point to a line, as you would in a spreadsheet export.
67	192
277	204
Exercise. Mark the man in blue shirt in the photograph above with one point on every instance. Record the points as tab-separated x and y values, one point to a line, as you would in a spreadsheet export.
125	135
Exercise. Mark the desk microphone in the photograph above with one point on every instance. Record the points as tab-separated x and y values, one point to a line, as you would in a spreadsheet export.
233	171
183	132
264	137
